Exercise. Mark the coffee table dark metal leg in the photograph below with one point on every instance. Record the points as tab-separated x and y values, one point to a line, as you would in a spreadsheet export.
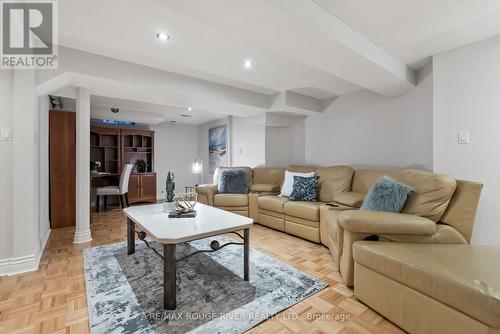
246	254
130	237
169	283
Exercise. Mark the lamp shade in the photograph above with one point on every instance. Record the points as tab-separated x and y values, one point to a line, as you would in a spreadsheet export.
197	167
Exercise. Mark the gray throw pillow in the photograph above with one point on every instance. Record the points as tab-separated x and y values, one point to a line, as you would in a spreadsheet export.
233	181
387	195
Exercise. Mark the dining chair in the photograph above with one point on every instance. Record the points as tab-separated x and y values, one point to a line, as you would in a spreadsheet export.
121	190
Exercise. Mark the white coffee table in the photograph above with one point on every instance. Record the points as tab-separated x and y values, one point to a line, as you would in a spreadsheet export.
210	221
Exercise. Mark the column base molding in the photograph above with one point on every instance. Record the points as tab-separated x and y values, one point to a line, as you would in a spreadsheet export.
82	237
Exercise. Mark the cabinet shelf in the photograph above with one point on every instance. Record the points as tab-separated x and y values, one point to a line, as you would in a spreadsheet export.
105	148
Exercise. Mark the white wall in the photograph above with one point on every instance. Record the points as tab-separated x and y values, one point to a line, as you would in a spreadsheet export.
467	97
6	95
248	141
285	145
22	231
176	147
365	129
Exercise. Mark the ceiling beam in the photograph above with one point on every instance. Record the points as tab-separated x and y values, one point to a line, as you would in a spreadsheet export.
306	32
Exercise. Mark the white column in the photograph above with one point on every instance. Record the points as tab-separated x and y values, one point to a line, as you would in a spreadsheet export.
82	231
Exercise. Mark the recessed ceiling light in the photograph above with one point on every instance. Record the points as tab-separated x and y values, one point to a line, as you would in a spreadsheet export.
162	36
173	121
186	115
189	108
248	64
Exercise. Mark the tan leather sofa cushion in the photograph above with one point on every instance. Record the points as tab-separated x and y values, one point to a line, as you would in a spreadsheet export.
350	198
364	179
333	180
262	187
268	175
231	200
273	203
461	276
247	170
432	193
304	210
461	211
444	235
412	311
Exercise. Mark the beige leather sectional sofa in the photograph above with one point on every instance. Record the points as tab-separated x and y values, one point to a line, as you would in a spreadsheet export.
441	210
419	276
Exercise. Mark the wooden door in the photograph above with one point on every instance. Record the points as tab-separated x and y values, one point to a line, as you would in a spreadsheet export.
133	189
62	160
148	187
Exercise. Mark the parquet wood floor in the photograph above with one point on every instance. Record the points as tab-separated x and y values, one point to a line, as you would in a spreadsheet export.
53	299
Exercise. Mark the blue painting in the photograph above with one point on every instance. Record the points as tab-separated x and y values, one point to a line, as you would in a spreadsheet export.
217	147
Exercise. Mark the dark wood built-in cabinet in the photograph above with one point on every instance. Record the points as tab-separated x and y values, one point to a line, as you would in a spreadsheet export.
115	148
142	188
112	147
139	145
105	147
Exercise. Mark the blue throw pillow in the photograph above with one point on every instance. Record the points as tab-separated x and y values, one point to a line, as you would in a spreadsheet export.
387	195
304	188
233	181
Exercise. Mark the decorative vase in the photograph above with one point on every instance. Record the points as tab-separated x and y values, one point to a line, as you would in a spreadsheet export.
168	206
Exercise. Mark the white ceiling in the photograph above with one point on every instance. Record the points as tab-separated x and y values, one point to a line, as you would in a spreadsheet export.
306	52
142	112
126	30
132	110
414	30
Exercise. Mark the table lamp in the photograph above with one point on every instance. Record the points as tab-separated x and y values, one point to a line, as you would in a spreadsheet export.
197	168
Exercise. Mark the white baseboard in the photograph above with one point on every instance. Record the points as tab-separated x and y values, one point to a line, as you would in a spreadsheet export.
82	237
18	265
23	264
4	267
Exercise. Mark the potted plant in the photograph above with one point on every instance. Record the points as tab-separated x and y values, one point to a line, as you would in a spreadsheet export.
169	203
141	166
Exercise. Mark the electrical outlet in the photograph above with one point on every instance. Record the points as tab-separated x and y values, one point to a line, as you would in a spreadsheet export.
463	137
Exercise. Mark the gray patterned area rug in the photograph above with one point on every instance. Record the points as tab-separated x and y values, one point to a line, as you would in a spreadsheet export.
125	293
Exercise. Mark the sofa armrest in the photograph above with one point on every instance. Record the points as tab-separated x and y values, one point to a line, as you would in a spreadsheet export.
265	188
208	191
385	223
